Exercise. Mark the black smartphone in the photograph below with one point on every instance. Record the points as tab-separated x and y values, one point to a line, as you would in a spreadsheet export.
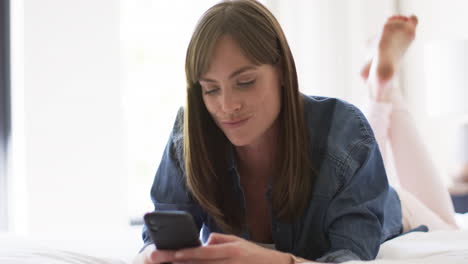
172	229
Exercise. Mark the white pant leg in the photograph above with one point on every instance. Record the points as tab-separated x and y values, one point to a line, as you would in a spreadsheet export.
416	171
378	115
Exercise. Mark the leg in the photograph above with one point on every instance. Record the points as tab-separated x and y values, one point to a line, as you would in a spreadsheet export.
416	170
415	213
413	165
379	116
387	49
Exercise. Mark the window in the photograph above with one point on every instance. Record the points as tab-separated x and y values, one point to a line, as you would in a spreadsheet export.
4	109
155	36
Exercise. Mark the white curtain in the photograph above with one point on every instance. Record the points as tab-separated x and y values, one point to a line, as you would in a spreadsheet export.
328	39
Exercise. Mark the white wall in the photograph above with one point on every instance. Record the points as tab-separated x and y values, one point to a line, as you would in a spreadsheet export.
74	131
17	192
438	21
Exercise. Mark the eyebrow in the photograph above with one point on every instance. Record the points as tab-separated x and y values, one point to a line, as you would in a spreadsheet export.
234	74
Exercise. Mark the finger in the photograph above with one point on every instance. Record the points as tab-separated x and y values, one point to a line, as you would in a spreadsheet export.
210	252
216	261
160	256
146	254
217	238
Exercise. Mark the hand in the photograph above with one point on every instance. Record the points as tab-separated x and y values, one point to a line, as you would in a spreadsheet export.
152	256
226	249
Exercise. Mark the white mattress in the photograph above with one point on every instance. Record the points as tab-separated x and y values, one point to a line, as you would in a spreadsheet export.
444	247
448	247
116	248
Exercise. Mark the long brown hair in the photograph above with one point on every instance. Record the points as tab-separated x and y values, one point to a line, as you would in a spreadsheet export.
262	40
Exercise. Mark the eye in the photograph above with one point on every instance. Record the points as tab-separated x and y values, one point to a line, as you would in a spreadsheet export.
211	90
246	84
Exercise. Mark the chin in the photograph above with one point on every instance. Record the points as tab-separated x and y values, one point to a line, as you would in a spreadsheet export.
239	141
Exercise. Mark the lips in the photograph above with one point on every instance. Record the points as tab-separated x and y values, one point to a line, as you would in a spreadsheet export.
234	123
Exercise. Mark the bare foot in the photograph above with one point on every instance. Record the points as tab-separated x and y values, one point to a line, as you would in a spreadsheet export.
395	38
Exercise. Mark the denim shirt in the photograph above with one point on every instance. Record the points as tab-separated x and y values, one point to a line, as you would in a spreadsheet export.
352	208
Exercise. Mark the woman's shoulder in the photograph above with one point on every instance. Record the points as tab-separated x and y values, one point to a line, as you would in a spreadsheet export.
337	120
340	136
169	180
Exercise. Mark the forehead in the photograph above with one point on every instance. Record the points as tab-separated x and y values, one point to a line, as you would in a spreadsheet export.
227	56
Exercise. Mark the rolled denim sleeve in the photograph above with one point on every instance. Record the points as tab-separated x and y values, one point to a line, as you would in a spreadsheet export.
169	191
356	213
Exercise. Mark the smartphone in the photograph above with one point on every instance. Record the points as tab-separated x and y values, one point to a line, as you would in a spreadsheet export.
172	229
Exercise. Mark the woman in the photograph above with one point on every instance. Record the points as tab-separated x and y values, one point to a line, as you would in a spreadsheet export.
285	177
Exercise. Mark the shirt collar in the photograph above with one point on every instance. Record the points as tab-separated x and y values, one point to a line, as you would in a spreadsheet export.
232	160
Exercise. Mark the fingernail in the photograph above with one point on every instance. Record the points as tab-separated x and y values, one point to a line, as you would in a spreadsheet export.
178	255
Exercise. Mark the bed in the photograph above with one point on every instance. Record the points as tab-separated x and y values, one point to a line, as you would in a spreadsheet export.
446	247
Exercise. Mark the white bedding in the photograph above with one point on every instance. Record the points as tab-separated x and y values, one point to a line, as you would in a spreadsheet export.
103	248
447	247
21	250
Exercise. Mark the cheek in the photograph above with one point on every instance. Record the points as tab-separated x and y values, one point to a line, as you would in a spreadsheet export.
270	99
209	104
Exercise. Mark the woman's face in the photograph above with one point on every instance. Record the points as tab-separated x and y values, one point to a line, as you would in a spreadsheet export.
243	98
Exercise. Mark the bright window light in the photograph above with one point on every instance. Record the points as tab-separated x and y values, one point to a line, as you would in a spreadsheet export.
155	36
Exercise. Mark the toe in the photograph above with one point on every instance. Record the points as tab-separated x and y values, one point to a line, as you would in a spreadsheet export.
397	17
394	17
414	19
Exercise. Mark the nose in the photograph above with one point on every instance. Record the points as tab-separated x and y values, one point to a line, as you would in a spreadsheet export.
230	102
